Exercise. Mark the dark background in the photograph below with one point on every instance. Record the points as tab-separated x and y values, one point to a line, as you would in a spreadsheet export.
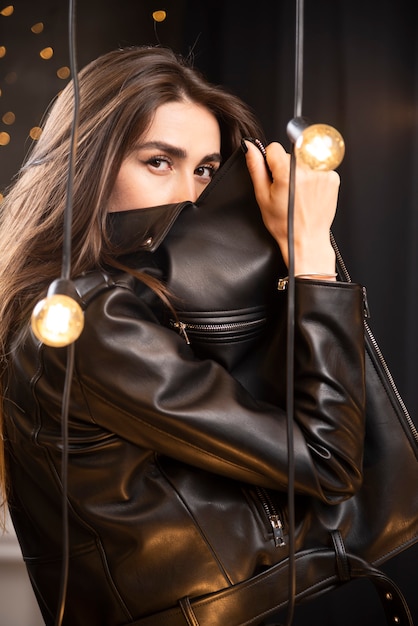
360	75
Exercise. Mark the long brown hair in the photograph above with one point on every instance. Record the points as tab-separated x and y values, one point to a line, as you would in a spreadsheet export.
119	93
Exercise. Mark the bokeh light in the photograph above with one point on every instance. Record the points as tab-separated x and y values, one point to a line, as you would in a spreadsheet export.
159	16
8	118
63	72
7	11
35	133
46	53
4	138
37	28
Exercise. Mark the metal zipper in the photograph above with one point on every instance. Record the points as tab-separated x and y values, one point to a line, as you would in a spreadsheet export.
183	327
272	516
340	261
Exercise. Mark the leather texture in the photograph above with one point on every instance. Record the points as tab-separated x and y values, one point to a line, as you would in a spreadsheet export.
185	414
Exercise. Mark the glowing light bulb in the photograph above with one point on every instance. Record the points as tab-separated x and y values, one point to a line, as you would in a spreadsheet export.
58	319
319	146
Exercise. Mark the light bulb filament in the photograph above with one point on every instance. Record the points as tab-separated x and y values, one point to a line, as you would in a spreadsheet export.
57	318
320	148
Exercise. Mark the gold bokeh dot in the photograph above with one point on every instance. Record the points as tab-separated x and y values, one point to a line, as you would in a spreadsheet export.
35	133
159	16
7	10
37	28
63	72
46	53
1	198
2	51
4	138
9	118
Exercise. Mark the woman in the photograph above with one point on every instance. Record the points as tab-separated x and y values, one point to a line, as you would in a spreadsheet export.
157	416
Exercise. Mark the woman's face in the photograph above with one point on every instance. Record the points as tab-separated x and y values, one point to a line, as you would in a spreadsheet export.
172	162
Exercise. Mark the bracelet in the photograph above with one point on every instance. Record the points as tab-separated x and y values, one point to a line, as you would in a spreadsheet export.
319	276
283	282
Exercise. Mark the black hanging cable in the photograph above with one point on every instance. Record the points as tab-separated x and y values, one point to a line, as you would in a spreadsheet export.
64	484
299	39
68	212
291	316
65	274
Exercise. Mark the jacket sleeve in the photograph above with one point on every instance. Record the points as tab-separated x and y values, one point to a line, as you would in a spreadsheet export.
141	381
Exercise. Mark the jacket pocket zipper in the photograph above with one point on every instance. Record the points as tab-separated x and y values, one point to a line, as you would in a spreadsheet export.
273	517
194	327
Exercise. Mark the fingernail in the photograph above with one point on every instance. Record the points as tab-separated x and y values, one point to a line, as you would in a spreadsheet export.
244	146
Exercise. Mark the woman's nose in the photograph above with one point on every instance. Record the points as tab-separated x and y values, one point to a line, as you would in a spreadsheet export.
185	189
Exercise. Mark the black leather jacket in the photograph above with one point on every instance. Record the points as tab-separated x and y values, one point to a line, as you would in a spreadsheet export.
173	444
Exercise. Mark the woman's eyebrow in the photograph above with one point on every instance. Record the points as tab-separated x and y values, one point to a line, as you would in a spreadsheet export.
215	156
175	151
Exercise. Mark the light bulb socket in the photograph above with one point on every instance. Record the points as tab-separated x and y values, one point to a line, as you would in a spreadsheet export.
295	128
63	287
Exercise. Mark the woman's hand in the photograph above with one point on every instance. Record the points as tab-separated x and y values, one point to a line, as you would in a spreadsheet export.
315	205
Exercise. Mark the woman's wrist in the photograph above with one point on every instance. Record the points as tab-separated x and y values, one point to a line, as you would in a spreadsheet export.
314	257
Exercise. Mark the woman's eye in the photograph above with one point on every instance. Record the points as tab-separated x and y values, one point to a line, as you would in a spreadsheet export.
159	163
206	171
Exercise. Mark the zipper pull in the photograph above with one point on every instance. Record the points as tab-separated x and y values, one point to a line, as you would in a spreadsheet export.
278	535
182	328
282	283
